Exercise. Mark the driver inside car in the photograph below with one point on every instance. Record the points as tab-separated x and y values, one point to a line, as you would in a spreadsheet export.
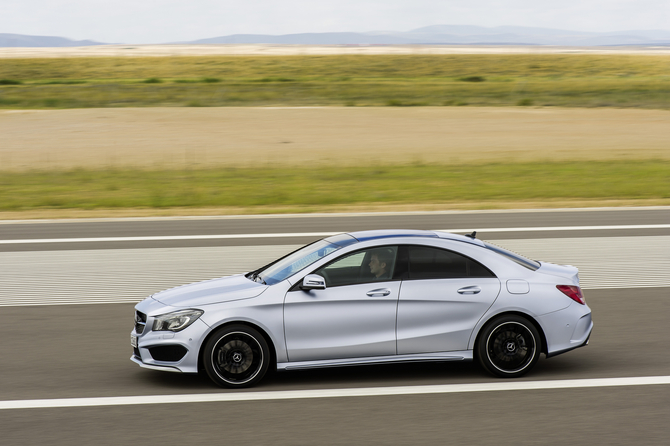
380	263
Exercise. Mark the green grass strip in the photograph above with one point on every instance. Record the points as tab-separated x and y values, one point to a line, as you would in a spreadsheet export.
332	185
360	80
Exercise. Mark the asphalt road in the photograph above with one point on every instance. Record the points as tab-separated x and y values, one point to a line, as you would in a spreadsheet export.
73	351
475	220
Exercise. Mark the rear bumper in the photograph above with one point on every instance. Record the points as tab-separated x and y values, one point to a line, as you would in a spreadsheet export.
567	329
583	344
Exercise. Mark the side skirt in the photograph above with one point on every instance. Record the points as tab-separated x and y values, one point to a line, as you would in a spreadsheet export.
421	357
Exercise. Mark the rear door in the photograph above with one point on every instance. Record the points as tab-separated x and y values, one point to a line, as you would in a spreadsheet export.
443	295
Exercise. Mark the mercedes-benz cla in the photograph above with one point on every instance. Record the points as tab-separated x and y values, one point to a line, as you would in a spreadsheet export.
363	298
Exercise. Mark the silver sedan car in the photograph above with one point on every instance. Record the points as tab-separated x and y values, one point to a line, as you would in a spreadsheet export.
367	298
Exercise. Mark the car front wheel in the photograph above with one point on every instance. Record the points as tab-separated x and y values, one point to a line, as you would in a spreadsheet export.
508	346
236	356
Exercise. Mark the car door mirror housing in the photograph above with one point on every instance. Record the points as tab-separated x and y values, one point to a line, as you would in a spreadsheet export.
313	282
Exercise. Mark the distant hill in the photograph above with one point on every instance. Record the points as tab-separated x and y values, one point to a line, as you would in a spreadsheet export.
305	39
459	35
19	40
427	35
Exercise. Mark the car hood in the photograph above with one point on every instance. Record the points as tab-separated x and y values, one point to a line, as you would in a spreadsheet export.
224	289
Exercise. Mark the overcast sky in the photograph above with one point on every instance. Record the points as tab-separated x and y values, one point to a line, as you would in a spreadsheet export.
160	21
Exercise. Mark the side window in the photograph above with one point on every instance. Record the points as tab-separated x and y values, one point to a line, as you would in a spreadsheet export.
434	263
369	265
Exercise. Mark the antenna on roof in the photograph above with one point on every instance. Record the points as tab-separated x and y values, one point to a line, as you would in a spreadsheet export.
473	235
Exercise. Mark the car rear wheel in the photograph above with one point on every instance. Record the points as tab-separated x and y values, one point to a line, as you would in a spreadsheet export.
508	346
236	356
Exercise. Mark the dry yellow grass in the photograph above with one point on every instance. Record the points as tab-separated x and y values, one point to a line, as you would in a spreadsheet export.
315	50
151	138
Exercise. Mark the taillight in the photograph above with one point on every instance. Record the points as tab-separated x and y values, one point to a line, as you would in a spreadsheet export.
573	292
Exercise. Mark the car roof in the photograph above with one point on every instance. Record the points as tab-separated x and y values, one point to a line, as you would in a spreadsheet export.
364	236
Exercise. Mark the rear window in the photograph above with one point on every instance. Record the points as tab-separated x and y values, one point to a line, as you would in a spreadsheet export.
426	262
532	265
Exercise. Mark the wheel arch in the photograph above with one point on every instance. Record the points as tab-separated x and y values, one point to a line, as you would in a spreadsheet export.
531	319
266	337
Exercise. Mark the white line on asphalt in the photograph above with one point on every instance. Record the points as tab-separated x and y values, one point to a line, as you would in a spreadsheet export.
313	234
168	237
334	393
559	228
95	276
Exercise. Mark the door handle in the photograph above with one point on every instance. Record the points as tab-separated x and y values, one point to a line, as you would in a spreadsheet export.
379	292
470	290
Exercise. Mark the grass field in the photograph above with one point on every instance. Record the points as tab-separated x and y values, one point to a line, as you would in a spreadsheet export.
412	117
171	138
639	81
171	161
304	188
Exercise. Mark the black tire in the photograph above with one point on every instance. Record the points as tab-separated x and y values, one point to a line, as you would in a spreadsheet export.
509	346
236	356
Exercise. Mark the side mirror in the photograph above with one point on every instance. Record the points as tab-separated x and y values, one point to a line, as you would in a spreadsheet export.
313	282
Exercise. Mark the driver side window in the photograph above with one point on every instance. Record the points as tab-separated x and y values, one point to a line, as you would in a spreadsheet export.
369	265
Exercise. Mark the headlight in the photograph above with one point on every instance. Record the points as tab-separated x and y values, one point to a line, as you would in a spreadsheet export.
176	321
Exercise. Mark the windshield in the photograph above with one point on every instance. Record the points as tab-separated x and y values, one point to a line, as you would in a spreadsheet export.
296	261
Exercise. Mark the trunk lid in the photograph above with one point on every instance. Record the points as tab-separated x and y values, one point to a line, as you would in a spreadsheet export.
568	272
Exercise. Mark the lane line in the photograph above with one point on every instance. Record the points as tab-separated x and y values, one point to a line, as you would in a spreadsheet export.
560	228
335	393
168	238
130	275
313	234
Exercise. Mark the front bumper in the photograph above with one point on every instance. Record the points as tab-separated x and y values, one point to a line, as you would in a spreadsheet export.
169	351
163	368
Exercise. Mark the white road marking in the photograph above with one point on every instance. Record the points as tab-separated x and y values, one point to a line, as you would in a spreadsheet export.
311	234
129	275
558	228
604	262
335	393
166	238
119	275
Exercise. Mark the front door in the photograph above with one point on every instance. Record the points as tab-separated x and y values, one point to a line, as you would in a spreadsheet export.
353	317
